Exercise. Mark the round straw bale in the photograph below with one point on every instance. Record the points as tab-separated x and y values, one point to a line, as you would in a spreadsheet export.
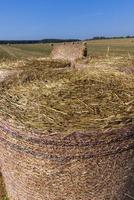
83	166
66	133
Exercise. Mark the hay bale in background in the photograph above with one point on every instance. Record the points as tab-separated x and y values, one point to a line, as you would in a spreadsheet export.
51	45
70	52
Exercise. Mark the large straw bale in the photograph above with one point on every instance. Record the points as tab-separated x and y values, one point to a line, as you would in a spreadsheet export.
69	51
83	166
67	134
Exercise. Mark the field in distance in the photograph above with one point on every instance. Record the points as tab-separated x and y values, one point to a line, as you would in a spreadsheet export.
22	51
117	47
114	47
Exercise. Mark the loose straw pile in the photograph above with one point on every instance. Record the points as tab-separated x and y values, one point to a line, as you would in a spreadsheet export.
50	96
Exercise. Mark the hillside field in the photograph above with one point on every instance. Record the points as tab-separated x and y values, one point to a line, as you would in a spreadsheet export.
116	47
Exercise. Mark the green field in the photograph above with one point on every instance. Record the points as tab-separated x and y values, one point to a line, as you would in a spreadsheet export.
117	47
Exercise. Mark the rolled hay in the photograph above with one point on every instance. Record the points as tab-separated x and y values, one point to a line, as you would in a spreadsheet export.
67	134
51	44
78	166
70	52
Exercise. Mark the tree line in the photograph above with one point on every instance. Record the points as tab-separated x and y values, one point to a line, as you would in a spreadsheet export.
60	40
37	41
115	37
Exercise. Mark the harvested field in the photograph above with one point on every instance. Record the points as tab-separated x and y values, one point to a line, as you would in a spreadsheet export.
15	52
96	48
111	47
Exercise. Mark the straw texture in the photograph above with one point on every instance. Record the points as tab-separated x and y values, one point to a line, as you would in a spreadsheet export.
83	166
69	51
67	134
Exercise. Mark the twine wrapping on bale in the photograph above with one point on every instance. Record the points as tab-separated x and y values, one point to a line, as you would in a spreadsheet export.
67	134
79	166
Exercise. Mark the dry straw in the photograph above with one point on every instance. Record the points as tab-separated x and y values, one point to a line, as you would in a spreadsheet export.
66	133
47	95
70	52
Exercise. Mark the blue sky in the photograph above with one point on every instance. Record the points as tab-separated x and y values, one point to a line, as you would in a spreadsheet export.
38	19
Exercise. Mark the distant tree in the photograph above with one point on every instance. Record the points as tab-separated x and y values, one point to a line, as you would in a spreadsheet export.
36	41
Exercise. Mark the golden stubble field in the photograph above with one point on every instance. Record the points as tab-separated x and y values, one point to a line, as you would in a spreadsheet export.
114	47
